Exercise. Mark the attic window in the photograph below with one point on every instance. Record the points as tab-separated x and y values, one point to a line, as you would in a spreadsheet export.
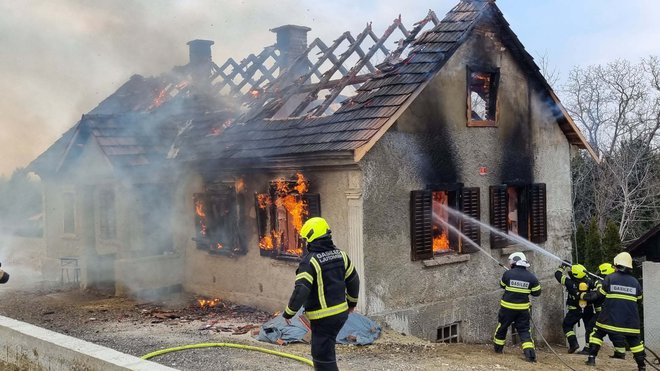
482	97
217	219
518	210
280	215
433	226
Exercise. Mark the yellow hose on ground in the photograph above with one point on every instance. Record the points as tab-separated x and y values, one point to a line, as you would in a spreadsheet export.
228	345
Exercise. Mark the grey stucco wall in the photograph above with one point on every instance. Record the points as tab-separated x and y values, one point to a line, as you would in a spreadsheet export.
252	279
430	143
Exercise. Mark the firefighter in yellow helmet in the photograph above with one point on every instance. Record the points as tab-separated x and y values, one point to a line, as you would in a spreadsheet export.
518	283
619	316
327	285
618	341
576	282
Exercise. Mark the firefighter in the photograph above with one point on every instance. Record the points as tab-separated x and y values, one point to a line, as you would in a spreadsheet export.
618	341
327	284
518	283
576	283
619	316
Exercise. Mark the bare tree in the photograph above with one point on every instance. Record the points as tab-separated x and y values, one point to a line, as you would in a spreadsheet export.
618	107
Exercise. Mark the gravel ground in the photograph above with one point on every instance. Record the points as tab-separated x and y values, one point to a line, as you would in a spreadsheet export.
139	328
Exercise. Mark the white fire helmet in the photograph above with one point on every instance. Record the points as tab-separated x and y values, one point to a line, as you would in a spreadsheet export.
519	259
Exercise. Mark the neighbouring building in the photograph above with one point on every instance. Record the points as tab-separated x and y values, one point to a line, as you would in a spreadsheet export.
200	178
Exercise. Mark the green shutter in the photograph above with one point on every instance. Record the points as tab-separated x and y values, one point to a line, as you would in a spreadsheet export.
421	225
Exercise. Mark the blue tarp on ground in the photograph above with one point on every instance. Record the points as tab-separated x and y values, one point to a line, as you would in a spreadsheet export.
358	329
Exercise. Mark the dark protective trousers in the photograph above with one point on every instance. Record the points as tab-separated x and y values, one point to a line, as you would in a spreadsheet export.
520	319
324	337
573	316
618	340
633	340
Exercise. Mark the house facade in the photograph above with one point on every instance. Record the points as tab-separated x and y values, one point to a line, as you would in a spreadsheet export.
458	117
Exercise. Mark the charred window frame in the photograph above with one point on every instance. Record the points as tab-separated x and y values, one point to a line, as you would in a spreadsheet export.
276	222
482	84
107	215
426	229
219	214
68	213
518	209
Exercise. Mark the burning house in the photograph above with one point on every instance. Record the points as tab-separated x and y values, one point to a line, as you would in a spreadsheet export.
201	178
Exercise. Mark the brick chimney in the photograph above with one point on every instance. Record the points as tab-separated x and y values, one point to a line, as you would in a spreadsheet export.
200	60
291	42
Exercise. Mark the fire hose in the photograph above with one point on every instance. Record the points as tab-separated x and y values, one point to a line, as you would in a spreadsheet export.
228	345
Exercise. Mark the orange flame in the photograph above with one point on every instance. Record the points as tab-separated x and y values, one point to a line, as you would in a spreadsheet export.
239	185
287	200
440	242
208	303
199	210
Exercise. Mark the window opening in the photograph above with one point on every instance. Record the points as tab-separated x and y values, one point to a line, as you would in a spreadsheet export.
281	214
482	97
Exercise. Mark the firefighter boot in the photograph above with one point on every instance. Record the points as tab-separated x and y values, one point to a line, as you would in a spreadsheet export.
591	361
639	358
584	351
530	355
498	348
572	344
618	355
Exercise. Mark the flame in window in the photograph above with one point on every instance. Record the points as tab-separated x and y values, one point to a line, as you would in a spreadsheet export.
199	210
290	209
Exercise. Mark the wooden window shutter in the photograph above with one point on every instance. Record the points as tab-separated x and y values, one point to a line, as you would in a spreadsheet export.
471	206
498	215
538	213
313	202
421	228
262	216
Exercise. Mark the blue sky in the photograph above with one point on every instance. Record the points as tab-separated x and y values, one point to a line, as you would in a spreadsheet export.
61	58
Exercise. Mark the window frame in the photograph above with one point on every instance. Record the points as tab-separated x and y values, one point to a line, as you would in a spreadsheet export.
212	195
532	212
267	217
492	117
421	204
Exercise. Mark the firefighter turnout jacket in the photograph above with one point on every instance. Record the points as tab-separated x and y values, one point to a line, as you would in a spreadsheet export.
326	282
575	287
518	283
619	314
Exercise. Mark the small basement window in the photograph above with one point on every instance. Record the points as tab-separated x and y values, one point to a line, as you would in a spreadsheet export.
281	213
434	227
518	210
218	212
482	97
448	333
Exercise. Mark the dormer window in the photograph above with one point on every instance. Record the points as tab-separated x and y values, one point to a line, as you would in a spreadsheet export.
482	97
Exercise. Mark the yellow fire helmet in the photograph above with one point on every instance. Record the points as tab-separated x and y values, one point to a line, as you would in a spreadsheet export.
623	259
314	228
583	287
578	271
606	268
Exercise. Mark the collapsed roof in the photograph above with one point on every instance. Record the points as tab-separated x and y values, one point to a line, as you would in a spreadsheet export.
296	99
